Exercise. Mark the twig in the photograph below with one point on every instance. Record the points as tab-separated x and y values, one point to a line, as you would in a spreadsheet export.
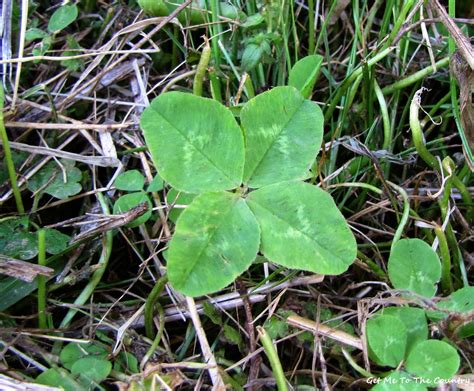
218	383
315	327
463	43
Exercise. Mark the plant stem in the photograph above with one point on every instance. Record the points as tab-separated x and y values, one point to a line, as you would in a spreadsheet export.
417	76
201	68
42	321
99	271
446	281
358	184
159	334
8	157
405	214
150	304
216	29
311	27
215	84
373	266
272	356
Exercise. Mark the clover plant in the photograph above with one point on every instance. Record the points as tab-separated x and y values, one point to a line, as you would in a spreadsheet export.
415	266
62	17
249	184
58	180
18	241
460	305
399	336
134	182
85	365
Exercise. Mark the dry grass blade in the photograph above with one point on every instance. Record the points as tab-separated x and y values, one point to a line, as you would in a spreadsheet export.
106	223
9	384
22	270
318	328
101	161
462	42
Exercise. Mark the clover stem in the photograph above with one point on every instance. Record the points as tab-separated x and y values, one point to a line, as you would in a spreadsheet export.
446	281
150	303
272	355
8	157
405	214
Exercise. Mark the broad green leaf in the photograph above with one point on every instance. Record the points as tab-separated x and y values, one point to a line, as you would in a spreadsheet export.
397	381
387	339
73	352
129	201
76	63
35	33
460	301
91	369
302	228
196	13
18	158
304	74
126	362
62	17
283	136
56	242
131	180
253	21
414	265
42	47
251	56
276	328
466	331
233	336
156	184
414	320
60	182
212	313
216	239
16	241
195	142
174	197
154	7
433	360
59	378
